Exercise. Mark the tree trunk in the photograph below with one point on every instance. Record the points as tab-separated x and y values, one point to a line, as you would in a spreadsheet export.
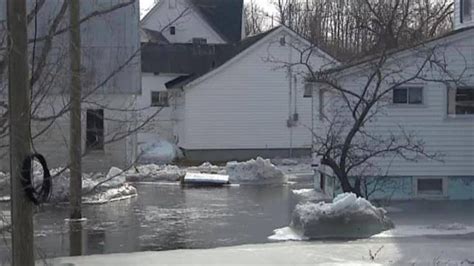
20	132
75	145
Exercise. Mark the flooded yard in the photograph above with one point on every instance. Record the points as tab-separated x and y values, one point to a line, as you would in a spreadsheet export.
166	217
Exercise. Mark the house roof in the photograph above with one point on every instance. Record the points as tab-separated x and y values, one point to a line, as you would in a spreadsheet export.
225	16
395	51
154	36
191	60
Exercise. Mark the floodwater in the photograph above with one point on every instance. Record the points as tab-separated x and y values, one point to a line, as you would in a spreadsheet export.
166	217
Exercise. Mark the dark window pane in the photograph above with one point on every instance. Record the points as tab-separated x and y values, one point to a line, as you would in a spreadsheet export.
465	101
159	98
434	185
400	95
95	129
172	30
416	95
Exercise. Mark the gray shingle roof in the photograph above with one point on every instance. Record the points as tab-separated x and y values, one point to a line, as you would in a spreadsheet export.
225	16
191	60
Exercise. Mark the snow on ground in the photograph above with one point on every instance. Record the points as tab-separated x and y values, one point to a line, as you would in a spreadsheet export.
258	171
346	217
430	230
442	252
96	188
158	151
153	173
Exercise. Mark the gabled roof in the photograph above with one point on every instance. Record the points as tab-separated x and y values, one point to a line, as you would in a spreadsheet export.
396	51
154	36
191	60
225	16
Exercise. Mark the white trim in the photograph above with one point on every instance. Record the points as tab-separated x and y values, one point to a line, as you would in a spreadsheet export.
252	48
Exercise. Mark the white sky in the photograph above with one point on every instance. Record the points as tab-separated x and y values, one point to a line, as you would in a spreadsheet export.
146	5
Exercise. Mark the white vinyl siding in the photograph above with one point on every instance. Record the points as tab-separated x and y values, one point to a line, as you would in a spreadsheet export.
461	16
246	104
451	137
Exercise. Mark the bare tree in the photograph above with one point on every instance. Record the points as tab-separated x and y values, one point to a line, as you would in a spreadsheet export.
347	140
352	29
255	18
350	105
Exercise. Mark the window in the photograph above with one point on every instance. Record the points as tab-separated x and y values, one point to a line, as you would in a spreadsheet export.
429	186
308	90
95	129
159	98
408	95
199	41
461	101
465	10
173	30
282	41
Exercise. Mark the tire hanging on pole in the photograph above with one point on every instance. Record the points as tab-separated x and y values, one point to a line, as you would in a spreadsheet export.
43	194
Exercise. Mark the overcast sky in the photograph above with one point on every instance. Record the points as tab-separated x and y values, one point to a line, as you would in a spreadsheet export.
146	5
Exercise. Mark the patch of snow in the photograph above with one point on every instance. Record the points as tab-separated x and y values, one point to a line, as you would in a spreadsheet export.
208	168
158	151
287	234
115	194
431	230
199	178
258	171
114	178
94	186
309	194
153	172
346	217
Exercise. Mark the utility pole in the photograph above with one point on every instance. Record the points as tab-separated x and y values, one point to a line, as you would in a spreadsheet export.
75	142
20	137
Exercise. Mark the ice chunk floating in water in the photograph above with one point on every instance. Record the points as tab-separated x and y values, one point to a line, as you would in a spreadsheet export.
287	233
346	217
258	171
205	179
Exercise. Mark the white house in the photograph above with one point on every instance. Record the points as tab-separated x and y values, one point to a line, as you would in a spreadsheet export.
437	106
225	99
172	26
185	21
463	13
245	101
110	81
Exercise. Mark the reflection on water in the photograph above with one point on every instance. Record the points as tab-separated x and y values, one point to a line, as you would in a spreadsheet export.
165	217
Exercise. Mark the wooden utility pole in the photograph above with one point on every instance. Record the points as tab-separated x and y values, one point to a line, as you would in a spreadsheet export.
75	142
20	137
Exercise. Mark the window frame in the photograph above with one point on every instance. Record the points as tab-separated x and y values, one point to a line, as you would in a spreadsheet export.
452	95
433	194
408	102
465	10
160	103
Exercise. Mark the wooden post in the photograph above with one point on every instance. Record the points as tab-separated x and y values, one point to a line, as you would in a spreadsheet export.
75	148
20	137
